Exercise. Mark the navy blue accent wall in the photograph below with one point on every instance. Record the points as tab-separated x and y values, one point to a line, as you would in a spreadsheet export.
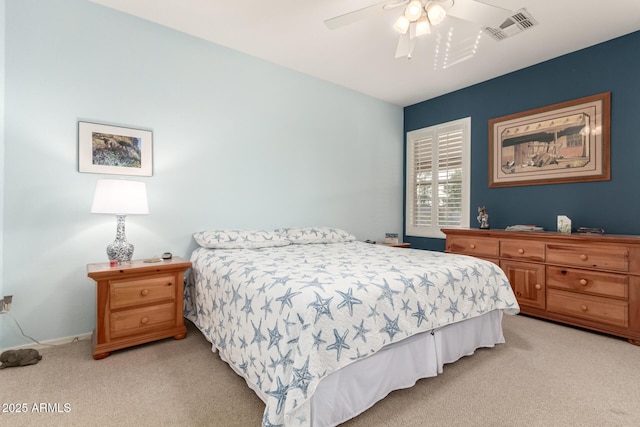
613	205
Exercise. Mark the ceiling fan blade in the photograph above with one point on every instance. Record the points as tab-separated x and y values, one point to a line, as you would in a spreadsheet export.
479	12
405	46
360	14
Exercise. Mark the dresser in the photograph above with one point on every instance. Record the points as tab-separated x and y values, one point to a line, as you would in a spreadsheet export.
137	303
590	281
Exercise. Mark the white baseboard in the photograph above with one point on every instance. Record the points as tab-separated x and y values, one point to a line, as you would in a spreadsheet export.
53	342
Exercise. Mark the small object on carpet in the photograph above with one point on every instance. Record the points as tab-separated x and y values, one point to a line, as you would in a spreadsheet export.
22	357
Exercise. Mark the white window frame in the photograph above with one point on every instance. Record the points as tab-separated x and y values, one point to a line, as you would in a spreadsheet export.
433	132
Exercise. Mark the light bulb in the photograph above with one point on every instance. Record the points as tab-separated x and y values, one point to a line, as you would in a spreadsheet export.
413	10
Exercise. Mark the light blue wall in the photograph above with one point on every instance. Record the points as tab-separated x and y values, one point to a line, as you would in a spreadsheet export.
238	142
2	43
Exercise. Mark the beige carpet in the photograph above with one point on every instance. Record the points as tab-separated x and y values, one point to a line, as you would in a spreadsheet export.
545	375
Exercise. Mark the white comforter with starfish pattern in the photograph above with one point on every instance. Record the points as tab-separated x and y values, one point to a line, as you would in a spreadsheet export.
286	317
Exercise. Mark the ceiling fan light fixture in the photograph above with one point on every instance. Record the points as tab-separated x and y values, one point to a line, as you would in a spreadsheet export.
402	24
436	13
422	26
413	10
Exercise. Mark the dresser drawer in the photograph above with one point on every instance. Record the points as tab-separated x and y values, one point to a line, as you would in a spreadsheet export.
596	309
592	256
522	249
593	282
141	320
130	293
476	246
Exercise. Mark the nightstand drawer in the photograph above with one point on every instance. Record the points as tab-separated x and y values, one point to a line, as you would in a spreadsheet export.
140	320
593	282
130	293
596	309
592	256
475	246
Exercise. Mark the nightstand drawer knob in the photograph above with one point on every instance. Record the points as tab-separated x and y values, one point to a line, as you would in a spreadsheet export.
144	320
583	282
473	246
538	286
520	251
584	307
144	292
583	257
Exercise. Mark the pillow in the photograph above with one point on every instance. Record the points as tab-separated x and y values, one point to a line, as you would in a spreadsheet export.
311	235
239	239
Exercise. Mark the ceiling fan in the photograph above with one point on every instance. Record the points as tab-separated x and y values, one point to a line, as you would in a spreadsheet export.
418	16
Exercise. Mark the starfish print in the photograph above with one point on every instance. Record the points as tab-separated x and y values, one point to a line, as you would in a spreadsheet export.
257	335
266	307
391	327
387	292
420	314
361	331
348	300
274	336
453	308
279	393
322	306
302	377
339	344
286	299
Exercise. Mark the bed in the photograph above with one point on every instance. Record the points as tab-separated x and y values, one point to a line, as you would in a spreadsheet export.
306	315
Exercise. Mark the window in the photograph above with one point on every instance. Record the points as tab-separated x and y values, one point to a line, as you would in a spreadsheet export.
438	169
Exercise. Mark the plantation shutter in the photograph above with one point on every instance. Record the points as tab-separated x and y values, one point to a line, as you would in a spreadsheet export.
450	178
437	179
423	182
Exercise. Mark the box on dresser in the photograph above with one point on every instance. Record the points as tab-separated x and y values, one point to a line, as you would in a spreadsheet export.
586	280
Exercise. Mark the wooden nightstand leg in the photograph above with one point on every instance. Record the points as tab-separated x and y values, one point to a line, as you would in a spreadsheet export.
101	355
180	336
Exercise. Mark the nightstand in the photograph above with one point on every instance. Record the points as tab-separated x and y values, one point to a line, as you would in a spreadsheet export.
137	302
395	245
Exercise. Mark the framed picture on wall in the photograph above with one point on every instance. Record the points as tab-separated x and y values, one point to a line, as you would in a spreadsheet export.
560	143
114	150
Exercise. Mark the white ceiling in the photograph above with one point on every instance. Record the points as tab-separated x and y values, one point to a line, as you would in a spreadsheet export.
361	56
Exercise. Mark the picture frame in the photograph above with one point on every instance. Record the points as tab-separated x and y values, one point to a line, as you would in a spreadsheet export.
114	150
559	143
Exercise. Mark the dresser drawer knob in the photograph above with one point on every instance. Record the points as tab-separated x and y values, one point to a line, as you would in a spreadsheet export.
144	292
144	320
584	307
538	286
583	282
583	257
473	246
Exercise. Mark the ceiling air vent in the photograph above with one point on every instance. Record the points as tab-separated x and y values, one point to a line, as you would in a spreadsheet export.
516	23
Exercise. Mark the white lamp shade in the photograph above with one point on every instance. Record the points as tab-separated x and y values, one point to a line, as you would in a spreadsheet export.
436	13
402	24
120	197
422	26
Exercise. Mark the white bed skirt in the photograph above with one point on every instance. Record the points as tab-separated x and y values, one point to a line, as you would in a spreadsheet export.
352	390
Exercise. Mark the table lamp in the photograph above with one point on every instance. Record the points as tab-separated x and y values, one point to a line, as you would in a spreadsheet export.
121	198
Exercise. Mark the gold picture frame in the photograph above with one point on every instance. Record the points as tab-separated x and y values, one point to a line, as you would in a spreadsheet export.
560	143
114	150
